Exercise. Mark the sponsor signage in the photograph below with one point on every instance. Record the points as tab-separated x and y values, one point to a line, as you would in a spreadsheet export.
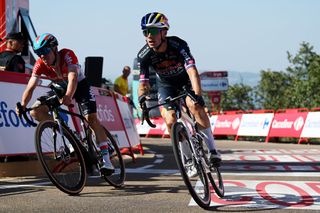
255	124
227	124
311	127
288	124
214	81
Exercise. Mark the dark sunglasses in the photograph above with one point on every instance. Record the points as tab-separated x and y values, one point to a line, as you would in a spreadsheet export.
151	31
43	51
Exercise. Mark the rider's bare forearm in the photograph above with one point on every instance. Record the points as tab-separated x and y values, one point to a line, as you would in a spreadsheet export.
195	80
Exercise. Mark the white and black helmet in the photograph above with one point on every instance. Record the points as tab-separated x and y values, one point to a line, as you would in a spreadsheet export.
156	20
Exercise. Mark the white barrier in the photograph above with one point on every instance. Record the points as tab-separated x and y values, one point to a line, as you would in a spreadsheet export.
17	137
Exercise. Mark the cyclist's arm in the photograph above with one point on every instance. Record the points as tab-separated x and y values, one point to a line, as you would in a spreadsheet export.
27	94
195	79
72	85
72	81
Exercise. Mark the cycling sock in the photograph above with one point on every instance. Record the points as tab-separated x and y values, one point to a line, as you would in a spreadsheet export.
104	148
208	138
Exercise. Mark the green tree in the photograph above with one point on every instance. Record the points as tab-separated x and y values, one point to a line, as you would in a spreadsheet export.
238	97
272	92
304	71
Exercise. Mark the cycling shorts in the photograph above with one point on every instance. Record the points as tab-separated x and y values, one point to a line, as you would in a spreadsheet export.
83	96
166	90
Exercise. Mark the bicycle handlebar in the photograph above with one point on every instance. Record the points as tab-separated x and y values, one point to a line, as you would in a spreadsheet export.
23	112
145	110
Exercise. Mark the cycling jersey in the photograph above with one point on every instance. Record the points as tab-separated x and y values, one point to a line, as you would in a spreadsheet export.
83	95
170	66
67	60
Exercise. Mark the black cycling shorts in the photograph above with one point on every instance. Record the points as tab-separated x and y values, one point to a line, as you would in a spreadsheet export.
167	89
83	95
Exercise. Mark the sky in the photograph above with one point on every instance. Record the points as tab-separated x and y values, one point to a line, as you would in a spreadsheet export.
232	35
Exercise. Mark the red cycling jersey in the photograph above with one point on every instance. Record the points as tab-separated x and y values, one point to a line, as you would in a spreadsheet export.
67	59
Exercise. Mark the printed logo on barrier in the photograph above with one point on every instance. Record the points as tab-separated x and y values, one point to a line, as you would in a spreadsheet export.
9	118
298	124
235	123
266	123
104	113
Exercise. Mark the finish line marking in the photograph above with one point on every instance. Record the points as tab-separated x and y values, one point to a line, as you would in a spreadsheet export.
268	194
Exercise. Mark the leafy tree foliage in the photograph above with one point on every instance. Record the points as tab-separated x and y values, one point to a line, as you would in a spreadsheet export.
238	97
297	87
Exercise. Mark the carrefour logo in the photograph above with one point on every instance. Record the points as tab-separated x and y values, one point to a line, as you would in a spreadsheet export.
298	124
9	118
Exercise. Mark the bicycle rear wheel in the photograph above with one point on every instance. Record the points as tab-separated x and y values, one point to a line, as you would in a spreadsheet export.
118	177
60	157
198	186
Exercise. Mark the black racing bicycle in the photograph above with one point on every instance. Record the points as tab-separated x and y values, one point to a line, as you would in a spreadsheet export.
191	151
68	156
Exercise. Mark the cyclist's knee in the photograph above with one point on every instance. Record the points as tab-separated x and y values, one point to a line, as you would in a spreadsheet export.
170	118
40	113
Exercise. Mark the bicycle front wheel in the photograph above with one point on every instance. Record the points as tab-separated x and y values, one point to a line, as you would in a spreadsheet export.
198	185
216	181
60	157
118	177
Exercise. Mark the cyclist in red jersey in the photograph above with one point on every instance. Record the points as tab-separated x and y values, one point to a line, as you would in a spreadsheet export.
170	58
63	68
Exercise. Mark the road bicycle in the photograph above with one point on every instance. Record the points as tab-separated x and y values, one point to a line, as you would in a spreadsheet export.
68	156
188	144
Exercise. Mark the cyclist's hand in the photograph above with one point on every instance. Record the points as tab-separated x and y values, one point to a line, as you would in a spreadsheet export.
199	100
18	111
66	100
142	101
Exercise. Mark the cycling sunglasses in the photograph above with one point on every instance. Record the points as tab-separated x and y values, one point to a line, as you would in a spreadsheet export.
43	51
151	31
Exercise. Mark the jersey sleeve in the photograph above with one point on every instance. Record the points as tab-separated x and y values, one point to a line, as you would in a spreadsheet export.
143	65
38	68
186	54
70	57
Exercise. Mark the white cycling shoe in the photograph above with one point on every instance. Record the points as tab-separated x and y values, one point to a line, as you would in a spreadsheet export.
106	168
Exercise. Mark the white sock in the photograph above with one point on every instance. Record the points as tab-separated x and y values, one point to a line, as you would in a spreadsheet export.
104	148
209	138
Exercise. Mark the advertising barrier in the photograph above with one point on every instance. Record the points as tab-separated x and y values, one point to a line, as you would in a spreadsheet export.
227	124
288	124
17	137
311	128
255	124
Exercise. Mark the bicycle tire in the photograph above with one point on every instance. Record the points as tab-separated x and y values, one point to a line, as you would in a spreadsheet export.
216	181
63	164
214	173
119	175
178	136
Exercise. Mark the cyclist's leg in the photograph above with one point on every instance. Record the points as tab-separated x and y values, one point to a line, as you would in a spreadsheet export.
41	113
168	110
87	101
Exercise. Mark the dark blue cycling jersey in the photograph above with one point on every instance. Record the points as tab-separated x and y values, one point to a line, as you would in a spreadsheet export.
170	66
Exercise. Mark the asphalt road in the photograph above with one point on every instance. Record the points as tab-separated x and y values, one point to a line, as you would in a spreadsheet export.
258	177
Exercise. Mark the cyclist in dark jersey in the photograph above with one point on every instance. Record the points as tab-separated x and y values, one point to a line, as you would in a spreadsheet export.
63	68
171	60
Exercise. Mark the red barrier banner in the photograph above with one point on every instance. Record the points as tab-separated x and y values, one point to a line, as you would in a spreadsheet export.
107	111
288	124
227	124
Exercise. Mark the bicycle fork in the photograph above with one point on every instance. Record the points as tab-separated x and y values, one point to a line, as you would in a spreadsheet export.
66	148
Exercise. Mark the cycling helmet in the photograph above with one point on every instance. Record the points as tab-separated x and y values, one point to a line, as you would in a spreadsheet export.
45	40
155	19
